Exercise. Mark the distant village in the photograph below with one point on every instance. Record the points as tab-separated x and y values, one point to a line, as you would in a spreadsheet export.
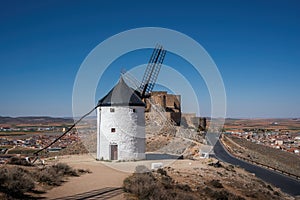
16	141
29	129
283	140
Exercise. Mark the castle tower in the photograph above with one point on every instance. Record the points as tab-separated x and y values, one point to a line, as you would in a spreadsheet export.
121	125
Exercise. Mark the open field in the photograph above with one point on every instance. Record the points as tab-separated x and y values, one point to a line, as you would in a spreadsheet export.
288	124
275	158
292	125
27	121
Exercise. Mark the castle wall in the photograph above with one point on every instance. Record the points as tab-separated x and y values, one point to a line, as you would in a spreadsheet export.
174	101
160	98
170	102
128	135
189	120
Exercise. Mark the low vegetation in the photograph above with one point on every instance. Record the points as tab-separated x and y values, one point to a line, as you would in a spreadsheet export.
191	180
159	185
19	180
54	175
15	181
18	161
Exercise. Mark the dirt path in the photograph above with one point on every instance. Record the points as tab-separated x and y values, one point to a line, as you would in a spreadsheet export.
105	180
103	183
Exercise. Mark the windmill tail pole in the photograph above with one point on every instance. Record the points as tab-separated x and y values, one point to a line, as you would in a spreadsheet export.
68	130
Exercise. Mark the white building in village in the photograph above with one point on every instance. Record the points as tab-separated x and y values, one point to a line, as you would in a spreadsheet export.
121	125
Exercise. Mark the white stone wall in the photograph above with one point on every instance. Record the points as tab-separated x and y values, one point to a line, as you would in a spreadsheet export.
129	132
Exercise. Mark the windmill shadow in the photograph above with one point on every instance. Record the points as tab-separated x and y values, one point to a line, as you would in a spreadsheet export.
104	193
162	156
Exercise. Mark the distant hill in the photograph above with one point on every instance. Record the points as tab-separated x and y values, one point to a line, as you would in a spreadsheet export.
34	120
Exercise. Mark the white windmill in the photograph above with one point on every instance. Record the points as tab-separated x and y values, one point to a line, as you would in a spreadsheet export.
121	115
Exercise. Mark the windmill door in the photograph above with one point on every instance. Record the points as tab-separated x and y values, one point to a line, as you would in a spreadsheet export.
114	152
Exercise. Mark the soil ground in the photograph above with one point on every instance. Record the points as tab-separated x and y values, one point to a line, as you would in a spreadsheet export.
101	177
195	173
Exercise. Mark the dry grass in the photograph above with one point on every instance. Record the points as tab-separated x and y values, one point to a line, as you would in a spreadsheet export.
150	186
292	125
200	180
14	182
159	185
19	182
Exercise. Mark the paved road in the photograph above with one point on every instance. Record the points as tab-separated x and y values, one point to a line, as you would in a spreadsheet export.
287	184
212	138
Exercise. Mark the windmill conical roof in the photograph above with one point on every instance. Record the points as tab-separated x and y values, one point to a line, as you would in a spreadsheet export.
121	95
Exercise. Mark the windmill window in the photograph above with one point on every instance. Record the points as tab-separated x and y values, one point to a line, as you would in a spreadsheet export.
113	130
132	110
112	110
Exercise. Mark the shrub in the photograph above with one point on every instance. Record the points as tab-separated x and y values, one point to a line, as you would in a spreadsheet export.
276	193
162	171
18	161
216	183
159	186
49	176
140	184
15	181
184	187
64	169
220	195
53	175
83	171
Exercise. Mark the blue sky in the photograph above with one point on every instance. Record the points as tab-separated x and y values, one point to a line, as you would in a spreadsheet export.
255	45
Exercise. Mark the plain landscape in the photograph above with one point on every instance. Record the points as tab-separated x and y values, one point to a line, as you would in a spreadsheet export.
193	178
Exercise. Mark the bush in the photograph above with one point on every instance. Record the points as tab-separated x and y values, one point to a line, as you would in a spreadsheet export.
64	169
219	194
49	176
18	161
184	187
53	175
83	171
140	184
216	183
15	181
162	171
158	186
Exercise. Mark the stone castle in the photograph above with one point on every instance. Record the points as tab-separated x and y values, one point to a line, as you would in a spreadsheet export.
169	102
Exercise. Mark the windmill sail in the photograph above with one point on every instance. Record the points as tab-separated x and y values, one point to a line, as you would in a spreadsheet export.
152	71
